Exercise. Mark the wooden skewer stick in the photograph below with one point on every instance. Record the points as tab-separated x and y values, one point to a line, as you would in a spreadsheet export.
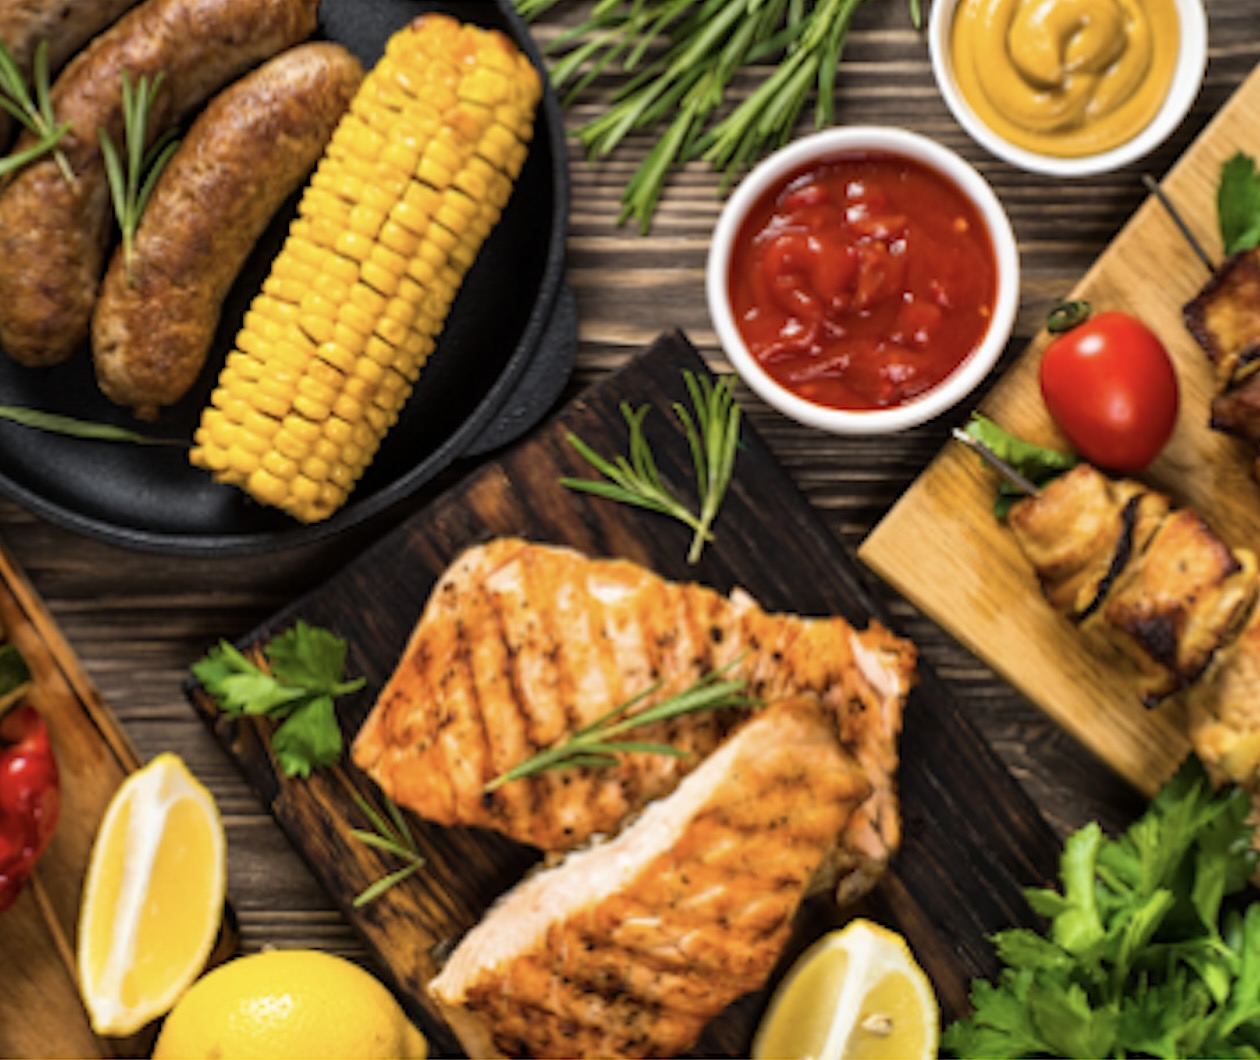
1153	187
996	462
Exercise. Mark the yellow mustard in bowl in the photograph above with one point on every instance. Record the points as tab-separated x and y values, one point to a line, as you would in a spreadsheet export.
1065	77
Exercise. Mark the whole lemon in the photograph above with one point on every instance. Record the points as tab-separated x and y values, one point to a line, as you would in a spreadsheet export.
288	1003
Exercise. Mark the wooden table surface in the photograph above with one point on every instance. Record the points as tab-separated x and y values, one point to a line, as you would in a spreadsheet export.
137	620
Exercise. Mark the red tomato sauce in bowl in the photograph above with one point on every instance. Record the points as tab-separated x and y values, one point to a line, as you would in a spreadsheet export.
862	281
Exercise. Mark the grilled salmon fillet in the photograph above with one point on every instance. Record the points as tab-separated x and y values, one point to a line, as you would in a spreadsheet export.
522	644
629	947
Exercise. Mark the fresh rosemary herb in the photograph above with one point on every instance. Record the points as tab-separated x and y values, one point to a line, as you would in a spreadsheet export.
131	183
681	57
393	837
55	423
35	114
597	745
713	437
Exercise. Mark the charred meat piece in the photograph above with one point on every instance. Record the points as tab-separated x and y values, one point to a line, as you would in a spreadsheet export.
520	645
1178	602
1236	411
1224	318
1158	585
630	947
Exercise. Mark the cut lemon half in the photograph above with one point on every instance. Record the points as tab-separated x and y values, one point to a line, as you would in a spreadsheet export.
153	897
856	994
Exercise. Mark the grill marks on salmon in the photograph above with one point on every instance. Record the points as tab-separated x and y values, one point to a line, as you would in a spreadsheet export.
629	947
520	645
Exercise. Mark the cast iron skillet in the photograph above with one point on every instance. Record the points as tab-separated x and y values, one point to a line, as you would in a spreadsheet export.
503	357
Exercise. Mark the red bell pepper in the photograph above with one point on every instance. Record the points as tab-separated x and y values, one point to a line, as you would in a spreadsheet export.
30	797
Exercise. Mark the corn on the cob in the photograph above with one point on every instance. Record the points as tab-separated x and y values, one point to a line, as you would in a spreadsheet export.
413	180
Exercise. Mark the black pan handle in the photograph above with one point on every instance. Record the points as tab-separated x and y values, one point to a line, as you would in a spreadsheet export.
542	381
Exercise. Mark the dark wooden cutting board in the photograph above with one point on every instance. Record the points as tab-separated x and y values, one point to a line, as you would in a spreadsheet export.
972	838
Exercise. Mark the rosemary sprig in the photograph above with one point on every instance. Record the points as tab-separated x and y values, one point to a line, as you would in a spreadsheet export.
597	745
131	184
681	57
55	423
35	114
393	837
712	436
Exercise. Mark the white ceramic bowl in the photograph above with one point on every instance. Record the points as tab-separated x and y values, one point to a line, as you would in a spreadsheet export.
821	146
1186	82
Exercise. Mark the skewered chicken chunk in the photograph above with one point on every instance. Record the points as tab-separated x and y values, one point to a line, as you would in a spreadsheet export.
1156	583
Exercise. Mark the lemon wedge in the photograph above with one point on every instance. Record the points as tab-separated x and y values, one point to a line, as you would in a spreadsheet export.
153	897
856	994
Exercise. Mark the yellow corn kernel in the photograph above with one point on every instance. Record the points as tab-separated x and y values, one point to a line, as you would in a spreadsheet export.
304	496
290	444
242	461
368	300
317	327
337	430
351	339
496	146
354	245
314	469
334	354
301	429
267	487
399	239
348	407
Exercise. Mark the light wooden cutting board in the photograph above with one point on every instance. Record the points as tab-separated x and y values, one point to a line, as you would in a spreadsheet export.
942	549
40	1010
41	1013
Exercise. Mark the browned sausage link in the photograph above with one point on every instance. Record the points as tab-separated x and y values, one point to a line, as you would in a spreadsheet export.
244	155
54	235
65	25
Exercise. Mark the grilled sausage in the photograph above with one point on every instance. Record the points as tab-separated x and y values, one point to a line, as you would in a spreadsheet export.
54	234
64	25
244	155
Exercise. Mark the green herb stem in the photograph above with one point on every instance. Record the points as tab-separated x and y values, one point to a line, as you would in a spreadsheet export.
35	114
391	836
133	174
684	56
598	744
712	432
55	423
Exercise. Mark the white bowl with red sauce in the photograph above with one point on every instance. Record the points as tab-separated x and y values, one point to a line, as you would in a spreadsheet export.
863	279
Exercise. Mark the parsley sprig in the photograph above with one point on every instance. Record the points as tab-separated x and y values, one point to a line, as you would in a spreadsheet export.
681	58
713	438
132	175
597	744
391	835
36	114
1143	955
302	677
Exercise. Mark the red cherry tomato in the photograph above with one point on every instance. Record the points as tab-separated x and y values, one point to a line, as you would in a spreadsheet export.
1111	388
